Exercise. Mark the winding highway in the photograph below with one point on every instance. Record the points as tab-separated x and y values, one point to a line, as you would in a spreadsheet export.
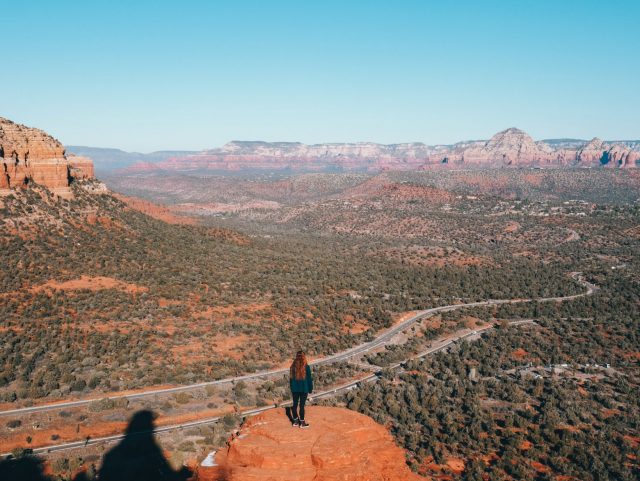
381	340
355	351
252	412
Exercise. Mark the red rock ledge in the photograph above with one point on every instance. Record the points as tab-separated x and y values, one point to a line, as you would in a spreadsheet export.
340	445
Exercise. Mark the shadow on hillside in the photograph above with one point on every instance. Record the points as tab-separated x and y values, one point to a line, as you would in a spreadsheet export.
136	458
28	468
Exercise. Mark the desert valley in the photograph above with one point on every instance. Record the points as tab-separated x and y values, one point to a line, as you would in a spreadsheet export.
470	311
287	240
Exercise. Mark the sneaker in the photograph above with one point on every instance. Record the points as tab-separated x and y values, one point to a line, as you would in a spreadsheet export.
303	424
296	423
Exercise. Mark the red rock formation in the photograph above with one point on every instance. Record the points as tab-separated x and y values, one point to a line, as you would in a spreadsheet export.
340	445
4	178
81	167
620	156
24	143
237	156
590	154
511	147
31	155
597	152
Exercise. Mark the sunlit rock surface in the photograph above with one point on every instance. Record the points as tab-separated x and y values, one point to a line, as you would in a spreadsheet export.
340	445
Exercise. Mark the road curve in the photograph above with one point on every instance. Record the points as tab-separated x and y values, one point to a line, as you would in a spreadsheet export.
354	351
252	412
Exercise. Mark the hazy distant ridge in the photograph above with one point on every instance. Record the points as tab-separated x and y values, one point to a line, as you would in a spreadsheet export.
106	159
511	147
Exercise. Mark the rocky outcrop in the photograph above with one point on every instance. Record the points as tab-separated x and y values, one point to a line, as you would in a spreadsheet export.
620	156
590	155
21	142
510	148
81	167
513	147
597	152
31	155
340	445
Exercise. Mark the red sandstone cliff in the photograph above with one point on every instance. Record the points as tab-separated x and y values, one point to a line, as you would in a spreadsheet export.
31	155
340	445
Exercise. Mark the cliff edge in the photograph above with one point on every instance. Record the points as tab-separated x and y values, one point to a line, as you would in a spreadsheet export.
31	155
340	445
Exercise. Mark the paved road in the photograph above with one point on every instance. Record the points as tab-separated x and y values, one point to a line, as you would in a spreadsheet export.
344	355
339	389
252	412
345	387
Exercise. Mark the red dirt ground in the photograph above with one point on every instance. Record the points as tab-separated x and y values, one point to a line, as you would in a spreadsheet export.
539	467
519	354
91	283
156	211
456	465
525	445
634	440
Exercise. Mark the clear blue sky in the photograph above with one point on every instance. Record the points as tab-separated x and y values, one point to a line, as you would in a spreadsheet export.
191	75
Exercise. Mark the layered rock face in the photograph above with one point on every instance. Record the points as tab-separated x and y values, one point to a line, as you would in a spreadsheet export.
597	152
620	156
591	153
340	445
237	156
81	167
509	148
513	147
31	155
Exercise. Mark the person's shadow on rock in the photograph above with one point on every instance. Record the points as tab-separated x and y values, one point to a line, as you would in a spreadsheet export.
138	457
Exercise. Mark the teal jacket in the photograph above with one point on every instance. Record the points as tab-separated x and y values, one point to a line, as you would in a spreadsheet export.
302	385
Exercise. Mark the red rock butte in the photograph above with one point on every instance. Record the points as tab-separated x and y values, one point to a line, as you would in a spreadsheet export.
31	155
340	445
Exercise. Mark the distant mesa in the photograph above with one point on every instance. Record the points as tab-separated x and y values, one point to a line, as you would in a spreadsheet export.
509	148
340	445
31	155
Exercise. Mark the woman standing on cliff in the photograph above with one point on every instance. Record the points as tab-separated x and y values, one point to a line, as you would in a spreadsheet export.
301	384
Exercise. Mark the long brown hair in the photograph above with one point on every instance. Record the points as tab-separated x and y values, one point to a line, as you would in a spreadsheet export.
299	366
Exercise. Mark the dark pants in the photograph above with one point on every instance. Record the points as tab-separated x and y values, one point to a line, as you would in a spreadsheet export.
298	398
